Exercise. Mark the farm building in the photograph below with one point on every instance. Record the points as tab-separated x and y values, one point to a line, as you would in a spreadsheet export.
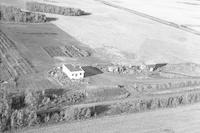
73	72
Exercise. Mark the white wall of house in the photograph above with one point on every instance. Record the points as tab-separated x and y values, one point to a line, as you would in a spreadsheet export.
77	75
74	74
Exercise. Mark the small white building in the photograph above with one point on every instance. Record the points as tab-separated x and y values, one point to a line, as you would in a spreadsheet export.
73	72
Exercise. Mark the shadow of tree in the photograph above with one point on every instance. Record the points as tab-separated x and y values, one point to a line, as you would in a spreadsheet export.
86	13
49	19
101	109
157	66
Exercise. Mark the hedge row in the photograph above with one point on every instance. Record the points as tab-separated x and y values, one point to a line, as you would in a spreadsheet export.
140	87
132	106
12	14
47	8
191	69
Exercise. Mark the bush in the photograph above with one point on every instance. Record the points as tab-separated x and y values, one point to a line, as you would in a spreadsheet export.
23	118
47	8
77	113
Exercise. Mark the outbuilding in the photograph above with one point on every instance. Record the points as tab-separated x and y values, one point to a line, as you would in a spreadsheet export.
72	71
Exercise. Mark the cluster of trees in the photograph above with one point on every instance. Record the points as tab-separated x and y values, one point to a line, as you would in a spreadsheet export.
13	14
32	108
23	118
47	8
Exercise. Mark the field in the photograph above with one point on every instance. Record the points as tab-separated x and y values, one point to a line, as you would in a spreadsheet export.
13	58
126	37
185	12
20	61
74	51
130	37
5	72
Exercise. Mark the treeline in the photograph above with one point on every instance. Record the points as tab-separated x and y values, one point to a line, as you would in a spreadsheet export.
47	8
13	14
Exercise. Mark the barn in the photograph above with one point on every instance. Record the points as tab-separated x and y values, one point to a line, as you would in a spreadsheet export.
72	71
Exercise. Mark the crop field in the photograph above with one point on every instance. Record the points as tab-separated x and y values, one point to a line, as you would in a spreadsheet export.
54	51
40	42
68	51
5	73
74	51
16	15
13	58
107	93
27	83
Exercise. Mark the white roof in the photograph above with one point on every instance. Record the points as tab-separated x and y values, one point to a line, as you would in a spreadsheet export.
73	68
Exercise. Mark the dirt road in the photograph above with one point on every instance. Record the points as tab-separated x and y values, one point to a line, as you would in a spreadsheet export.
185	119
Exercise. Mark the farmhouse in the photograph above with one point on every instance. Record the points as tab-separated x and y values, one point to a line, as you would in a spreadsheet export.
73	72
